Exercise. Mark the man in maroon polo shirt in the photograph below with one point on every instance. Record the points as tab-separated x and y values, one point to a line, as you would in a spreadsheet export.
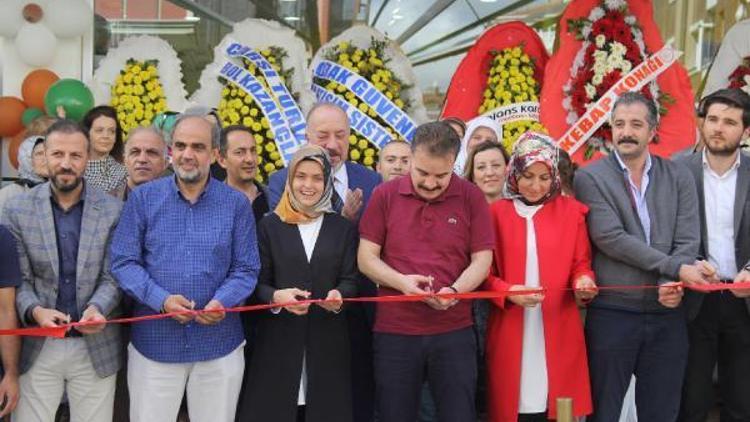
426	232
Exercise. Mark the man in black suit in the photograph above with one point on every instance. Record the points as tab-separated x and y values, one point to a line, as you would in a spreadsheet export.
719	322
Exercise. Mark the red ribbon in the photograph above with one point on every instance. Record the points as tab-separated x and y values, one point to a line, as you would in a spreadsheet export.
59	331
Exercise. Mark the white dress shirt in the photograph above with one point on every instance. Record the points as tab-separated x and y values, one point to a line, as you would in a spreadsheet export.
341	182
309	233
534	383
719	192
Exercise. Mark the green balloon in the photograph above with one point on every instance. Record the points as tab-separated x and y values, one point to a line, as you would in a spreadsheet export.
29	115
72	95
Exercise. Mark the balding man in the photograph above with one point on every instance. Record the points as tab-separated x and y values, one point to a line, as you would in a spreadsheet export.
145	159
328	127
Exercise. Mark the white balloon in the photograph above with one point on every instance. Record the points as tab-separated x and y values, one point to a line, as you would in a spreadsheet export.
36	44
68	18
11	17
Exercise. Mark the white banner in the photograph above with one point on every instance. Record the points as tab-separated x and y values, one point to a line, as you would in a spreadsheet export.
360	122
294	116
599	112
514	112
284	138
365	91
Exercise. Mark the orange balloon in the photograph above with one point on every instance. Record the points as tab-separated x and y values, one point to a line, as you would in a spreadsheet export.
35	85
11	112
15	144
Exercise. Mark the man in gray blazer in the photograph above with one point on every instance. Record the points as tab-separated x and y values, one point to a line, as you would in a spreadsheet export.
719	322
63	228
643	222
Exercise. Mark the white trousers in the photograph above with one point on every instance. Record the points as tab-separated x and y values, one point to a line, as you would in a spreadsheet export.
156	388
64	364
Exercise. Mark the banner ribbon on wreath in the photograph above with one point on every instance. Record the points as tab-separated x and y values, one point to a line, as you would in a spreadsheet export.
598	113
365	91
283	134
60	330
528	110
359	121
290	108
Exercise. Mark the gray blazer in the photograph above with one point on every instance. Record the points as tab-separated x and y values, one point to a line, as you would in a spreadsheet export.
693	300
29	218
620	252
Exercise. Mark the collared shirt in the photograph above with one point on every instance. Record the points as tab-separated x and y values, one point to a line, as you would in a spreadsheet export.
719	192
68	235
639	195
433	238
205	250
341	182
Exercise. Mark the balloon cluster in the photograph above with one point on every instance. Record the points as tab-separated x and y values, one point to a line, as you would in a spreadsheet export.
35	27
511	80
236	107
138	95
42	90
370	64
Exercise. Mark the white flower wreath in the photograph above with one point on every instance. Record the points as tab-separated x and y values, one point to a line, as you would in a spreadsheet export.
258	34
142	48
361	36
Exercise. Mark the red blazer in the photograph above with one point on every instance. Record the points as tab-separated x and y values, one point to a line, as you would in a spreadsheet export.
564	255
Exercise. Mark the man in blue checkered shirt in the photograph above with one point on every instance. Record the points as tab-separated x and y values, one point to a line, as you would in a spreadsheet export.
186	243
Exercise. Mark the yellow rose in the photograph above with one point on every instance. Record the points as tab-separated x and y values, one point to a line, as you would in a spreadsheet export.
354	155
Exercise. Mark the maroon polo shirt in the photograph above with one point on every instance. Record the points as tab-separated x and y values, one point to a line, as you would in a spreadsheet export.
432	238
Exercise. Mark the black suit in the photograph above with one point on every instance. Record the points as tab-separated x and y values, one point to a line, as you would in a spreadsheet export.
719	323
283	339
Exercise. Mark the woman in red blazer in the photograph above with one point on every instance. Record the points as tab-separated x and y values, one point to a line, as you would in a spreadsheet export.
535	345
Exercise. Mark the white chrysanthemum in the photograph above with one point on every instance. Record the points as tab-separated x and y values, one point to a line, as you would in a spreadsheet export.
626	66
590	91
597	79
618	49
615	4
596	14
630	20
600	40
566	103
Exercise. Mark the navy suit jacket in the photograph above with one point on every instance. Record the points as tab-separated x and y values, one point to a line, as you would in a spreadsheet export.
359	177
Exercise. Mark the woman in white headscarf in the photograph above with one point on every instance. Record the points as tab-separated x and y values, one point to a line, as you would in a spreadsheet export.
478	130
32	169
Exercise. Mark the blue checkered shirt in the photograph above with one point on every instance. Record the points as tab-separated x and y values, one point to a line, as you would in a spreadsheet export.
208	250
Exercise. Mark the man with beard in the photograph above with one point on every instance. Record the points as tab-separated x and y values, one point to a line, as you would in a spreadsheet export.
328	127
644	225
719	323
62	228
186	243
426	232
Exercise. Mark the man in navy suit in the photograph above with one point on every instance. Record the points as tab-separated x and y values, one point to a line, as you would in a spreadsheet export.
328	127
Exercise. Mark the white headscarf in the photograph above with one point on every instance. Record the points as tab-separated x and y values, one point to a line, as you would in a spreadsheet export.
473	125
